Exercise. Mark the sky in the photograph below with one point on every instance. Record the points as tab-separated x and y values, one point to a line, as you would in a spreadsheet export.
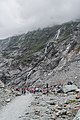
20	16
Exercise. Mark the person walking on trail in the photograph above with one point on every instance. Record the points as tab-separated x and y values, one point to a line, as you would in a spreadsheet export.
47	86
23	91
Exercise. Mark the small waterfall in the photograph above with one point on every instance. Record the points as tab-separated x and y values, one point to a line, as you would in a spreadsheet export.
58	33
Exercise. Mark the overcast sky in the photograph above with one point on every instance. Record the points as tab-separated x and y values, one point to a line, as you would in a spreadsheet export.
18	16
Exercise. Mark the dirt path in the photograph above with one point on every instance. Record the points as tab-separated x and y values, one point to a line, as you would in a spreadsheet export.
16	108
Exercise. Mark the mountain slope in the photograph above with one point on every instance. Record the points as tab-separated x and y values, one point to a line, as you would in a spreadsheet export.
41	52
50	55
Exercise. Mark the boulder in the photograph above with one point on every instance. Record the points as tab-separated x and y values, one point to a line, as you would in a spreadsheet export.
69	88
17	93
8	91
50	102
37	112
77	90
63	112
1	84
8	100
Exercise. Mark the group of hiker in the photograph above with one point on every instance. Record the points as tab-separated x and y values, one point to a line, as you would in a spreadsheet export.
35	90
47	89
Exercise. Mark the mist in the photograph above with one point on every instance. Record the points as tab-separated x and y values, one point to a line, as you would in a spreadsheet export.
20	16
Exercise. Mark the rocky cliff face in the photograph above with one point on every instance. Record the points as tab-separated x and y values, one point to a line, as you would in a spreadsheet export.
47	55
